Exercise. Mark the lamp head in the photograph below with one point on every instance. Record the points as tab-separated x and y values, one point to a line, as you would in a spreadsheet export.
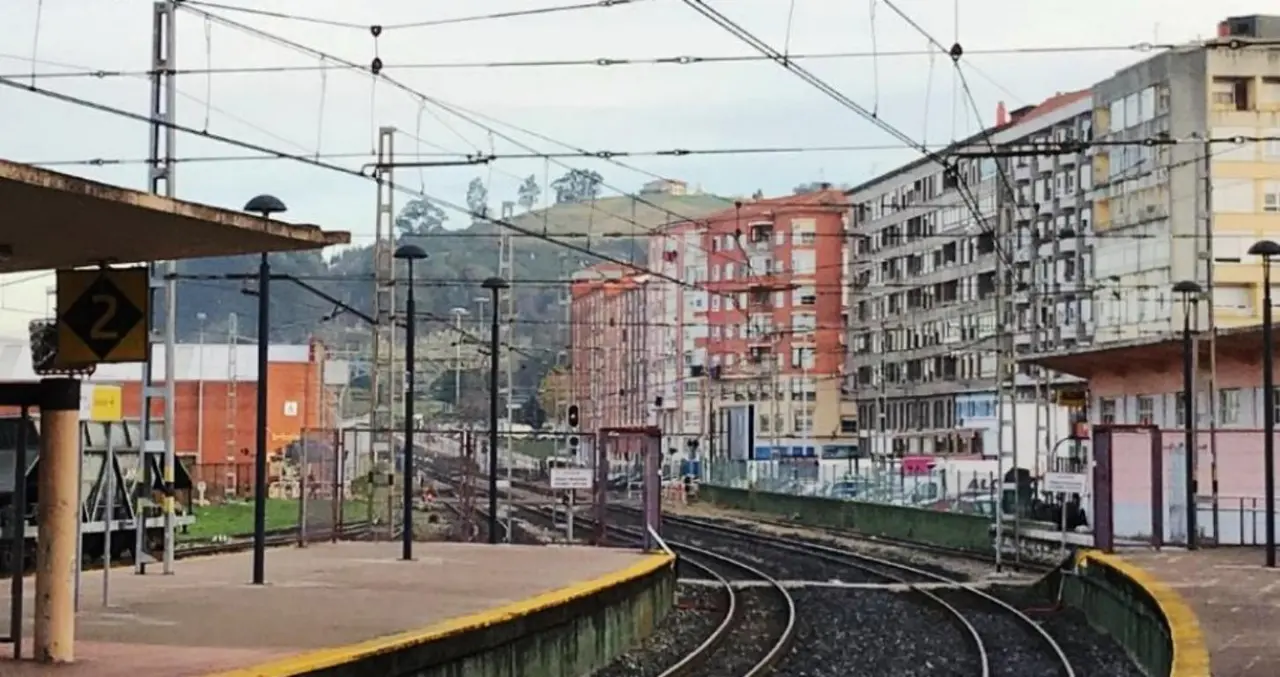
410	252
1187	287
266	205
1264	248
495	283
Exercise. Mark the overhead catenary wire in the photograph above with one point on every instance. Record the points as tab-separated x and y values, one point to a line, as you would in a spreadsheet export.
600	61
426	23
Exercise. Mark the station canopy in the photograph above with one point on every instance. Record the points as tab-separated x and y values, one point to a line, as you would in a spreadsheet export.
54	220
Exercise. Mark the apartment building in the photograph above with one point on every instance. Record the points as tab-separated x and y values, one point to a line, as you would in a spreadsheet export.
609	347
926	246
677	334
775	316
1187	210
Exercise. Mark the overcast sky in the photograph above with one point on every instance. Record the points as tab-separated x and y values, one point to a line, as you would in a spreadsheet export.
642	107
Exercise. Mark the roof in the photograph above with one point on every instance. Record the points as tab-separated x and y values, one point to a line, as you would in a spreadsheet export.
63	221
195	362
1059	100
1150	354
827	200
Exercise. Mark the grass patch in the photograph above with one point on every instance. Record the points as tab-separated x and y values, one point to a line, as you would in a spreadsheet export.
236	518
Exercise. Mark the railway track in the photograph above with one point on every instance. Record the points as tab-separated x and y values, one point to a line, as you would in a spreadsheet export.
758	624
1001	640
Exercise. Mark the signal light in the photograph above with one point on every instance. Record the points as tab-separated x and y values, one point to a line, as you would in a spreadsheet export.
573	416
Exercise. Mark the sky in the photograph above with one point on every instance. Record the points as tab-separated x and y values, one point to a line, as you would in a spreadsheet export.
287	103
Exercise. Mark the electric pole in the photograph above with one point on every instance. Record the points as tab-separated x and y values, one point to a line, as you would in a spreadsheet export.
383	356
160	181
506	271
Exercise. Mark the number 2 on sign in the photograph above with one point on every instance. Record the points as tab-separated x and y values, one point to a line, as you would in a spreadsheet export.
99	331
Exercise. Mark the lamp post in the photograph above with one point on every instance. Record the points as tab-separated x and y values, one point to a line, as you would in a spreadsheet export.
1190	291
1268	249
408	253
495	285
266	205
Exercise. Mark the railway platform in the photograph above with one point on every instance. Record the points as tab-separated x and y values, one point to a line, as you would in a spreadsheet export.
1236	601
355	609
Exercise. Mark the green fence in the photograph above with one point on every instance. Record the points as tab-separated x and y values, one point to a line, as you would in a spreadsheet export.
945	529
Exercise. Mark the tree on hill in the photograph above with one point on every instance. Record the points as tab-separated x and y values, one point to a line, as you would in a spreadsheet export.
478	197
420	217
577	185
528	193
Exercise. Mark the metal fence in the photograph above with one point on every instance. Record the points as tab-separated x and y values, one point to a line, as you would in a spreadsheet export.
311	490
885	481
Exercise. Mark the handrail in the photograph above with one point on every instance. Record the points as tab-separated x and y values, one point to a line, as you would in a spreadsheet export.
653	533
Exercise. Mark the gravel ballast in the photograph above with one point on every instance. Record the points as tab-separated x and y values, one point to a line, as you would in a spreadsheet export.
698	611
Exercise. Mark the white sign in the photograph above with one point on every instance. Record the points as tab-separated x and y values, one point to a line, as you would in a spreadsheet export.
290	408
1064	483
572	478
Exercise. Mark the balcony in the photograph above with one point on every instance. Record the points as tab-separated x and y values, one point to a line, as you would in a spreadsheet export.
1022	171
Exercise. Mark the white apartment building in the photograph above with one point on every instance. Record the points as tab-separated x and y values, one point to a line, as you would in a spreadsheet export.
1188	210
923	330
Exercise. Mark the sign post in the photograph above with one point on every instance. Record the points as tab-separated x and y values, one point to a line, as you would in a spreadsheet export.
105	405
1065	483
571	479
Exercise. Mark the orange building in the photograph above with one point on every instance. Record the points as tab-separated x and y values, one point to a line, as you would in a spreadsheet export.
216	395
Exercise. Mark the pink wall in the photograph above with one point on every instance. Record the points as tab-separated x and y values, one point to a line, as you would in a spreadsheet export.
1232	373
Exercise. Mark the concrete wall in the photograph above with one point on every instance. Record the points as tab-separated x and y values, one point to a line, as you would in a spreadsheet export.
564	633
1149	619
951	530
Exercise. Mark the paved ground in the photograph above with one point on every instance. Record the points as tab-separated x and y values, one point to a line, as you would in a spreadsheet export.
207	618
1236	599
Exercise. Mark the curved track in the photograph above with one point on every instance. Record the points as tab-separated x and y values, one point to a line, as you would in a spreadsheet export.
759	623
1006	642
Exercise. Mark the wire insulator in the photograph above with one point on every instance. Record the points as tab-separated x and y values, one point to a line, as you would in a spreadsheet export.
375	66
956	52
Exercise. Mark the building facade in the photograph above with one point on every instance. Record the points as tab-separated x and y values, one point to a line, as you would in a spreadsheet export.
608	315
216	395
775	326
1187	210
928	249
678	334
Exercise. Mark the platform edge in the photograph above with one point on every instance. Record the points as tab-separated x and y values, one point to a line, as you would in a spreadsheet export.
1190	652
320	659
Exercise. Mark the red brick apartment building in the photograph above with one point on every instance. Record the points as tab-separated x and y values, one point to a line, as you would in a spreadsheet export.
776	318
607	312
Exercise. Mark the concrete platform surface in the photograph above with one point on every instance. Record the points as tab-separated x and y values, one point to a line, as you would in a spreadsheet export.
1235	598
207	618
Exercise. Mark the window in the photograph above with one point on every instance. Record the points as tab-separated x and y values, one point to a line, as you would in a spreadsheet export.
803	261
1269	94
802	358
803	422
1233	196
1230	93
1180	409
1107	410
1275	404
1146	410
1233	297
1271	197
764	423
1271	149
1229	406
804	295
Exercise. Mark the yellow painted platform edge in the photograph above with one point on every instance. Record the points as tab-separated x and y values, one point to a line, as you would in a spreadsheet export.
1190	654
326	658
